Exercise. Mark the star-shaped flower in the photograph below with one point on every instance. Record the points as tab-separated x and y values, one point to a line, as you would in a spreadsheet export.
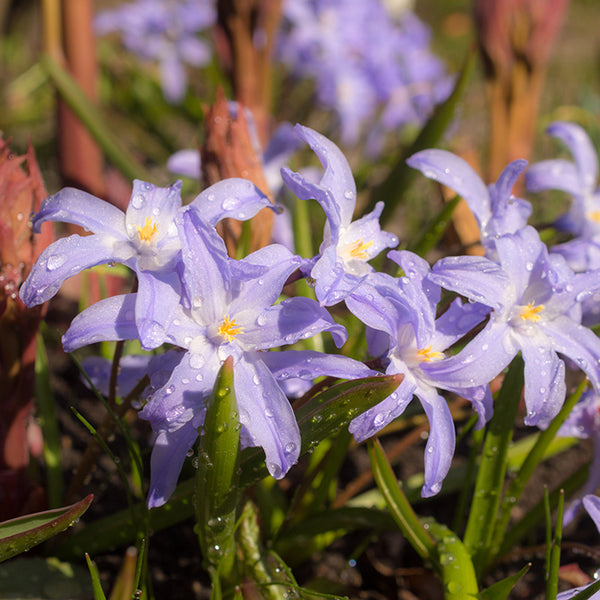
144	238
347	245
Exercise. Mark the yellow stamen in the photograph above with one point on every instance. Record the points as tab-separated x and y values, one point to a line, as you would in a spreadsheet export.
428	355
530	312
147	232
358	249
594	215
229	328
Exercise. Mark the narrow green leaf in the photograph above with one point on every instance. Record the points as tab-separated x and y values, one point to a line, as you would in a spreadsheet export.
435	229
93	121
23	533
342	402
49	424
217	491
553	563
401	175
588	592
397	503
95	575
501	589
492	469
454	564
532	460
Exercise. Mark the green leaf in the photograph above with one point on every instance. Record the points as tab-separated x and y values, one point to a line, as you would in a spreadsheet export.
47	418
95	575
397	503
324	415
492	469
435	229
454	564
217	491
22	533
330	409
501	589
93	121
589	591
401	175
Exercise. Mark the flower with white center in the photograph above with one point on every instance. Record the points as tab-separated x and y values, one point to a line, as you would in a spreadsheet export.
144	238
342	264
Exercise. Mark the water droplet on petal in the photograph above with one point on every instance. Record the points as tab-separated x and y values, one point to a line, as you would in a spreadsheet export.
138	201
55	261
196	361
230	203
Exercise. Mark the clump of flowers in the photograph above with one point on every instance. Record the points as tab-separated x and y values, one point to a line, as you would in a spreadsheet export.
367	67
165	32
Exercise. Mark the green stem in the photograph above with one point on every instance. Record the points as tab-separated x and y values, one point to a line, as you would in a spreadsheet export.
490	478
535	456
401	510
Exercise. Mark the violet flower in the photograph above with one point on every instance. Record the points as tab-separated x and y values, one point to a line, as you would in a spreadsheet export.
404	311
164	31
228	311
534	299
144	238
579	179
363	63
342	264
495	208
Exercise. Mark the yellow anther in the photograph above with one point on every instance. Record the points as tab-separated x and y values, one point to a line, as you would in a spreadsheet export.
530	312
148	230
229	328
358	249
429	355
594	215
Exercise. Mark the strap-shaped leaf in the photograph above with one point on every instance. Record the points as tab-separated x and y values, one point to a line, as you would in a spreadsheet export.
22	533
501	589
217	475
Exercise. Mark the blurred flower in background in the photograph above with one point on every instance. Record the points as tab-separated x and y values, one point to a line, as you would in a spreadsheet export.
165	31
367	65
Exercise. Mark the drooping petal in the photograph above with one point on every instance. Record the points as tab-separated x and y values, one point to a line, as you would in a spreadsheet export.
576	342
481	399
590	486
378	305
291	320
455	173
168	455
556	174
266	414
484	357
75	206
545	386
206	275
376	418
308	364
508	178
475	277
157	298
592	505
108	320
63	259
578	142
337	179
441	441
233	198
